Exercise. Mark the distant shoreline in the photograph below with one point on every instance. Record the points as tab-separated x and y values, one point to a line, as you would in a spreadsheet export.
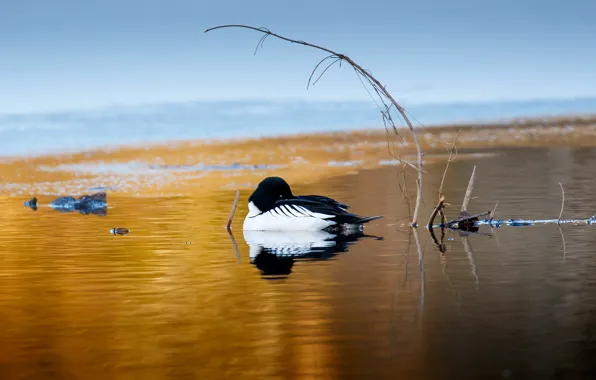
77	130
195	167
542	128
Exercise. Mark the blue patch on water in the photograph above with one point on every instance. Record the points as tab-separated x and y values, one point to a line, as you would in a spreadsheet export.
33	134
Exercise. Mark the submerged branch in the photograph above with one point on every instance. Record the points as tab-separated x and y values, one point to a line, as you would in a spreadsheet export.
457	223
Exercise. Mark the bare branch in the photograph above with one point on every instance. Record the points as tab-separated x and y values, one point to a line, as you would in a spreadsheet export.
406	163
260	43
562	203
468	196
315	69
229	225
326	68
492	213
376	85
449	160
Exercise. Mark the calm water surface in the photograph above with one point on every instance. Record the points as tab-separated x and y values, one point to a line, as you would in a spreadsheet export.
173	300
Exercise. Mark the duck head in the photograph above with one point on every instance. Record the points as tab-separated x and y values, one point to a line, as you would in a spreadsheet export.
269	191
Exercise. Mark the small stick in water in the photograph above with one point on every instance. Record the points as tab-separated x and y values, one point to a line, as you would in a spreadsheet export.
443	220
229	225
492	213
468	196
562	203
449	160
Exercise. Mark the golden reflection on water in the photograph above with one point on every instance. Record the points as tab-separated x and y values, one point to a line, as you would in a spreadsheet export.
79	303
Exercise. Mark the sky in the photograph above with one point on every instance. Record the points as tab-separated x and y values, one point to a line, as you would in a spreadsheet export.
71	54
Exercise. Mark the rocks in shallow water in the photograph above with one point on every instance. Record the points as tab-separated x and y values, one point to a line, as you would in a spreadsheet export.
87	204
64	203
99	197
31	203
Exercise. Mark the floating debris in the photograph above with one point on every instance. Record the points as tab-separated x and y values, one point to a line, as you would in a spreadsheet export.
119	231
514	222
188	242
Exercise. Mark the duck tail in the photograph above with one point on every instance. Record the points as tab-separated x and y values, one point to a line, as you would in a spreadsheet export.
368	219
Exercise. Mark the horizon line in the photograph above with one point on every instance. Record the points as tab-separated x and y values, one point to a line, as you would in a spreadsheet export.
455	103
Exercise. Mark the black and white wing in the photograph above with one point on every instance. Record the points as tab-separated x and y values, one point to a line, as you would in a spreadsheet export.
324	210
323	199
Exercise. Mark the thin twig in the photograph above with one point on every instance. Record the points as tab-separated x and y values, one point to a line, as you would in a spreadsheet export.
325	70
449	160
562	203
406	163
229	225
260	43
377	87
315	69
468	196
492	213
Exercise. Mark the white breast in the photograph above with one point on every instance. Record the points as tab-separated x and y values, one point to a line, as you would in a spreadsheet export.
285	218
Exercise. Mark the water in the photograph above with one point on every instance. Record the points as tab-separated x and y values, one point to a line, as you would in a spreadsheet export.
172	300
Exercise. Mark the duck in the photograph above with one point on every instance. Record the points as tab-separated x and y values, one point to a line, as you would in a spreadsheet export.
273	207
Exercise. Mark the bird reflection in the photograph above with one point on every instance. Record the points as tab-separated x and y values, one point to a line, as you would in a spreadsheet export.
274	253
